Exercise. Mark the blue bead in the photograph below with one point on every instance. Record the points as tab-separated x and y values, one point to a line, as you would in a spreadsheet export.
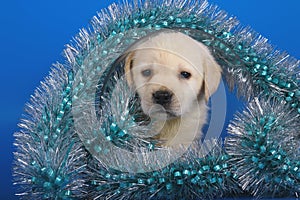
109	138
263	149
288	99
296	169
169	186
179	182
297	93
171	18
261	165
123	176
213	180
123	185
217	168
225	165
108	176
257	66
114	127
150	181
186	172
122	133
143	21
140	181
277	179
58	180
47	185
153	189
177	174
285	167
254	159
206	168
178	20
263	73
279	157
161	180
195	179
275	81
33	179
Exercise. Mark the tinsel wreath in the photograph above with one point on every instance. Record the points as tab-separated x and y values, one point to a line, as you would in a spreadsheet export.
83	112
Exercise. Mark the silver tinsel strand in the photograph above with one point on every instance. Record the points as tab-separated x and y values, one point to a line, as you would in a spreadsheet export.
53	158
264	146
50	160
196	175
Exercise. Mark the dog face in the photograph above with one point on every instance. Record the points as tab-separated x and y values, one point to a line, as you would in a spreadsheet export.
171	73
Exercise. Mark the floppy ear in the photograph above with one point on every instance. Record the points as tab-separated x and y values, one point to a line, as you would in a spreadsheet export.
212	75
128	67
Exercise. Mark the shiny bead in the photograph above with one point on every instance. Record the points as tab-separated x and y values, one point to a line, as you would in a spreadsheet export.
58	180
195	179
161	180
122	133
140	181
169	186
150	181
33	179
297	93
186	172
275	81
47	185
178	21
257	66
254	159
177	174
263	73
206	168
179	182
217	168
288	99
261	165
143	20
263	149
213	180
153	189
108	176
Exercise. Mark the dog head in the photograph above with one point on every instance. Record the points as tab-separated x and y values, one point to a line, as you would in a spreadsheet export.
171	73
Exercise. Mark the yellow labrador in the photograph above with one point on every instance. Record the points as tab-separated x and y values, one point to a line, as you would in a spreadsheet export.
174	76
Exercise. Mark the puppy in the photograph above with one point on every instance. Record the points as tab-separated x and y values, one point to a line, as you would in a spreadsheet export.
174	76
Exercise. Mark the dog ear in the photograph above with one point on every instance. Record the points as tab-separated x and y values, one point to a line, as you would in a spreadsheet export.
128	67
212	75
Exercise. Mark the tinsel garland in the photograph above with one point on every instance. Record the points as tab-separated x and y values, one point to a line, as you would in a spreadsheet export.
83	111
265	143
196	175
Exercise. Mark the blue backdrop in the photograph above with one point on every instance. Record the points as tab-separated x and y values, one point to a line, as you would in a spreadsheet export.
33	34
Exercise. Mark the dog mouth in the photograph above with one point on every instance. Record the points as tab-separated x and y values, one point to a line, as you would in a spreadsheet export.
159	111
170	114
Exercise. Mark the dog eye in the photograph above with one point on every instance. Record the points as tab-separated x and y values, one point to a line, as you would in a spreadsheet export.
146	72
185	75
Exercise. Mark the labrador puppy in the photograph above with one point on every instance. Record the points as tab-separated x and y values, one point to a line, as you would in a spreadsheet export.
174	76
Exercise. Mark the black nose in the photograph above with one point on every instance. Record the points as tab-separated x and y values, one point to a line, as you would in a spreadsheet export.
162	97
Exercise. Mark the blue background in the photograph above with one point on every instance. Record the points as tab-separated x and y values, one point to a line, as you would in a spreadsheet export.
33	34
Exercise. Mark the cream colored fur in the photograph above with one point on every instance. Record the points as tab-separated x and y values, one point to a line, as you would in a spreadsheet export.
166	56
